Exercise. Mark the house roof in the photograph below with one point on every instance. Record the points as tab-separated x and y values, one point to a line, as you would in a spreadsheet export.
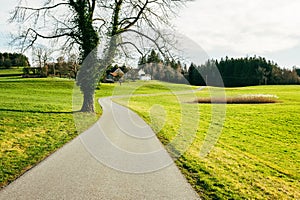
117	72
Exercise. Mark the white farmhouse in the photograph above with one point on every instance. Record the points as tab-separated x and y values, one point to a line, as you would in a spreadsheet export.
143	76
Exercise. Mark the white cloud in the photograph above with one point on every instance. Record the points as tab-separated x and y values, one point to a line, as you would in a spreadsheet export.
243	26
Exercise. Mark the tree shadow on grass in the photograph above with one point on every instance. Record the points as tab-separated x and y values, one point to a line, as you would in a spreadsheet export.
38	111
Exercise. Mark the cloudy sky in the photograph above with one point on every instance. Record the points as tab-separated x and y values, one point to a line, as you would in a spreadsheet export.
269	28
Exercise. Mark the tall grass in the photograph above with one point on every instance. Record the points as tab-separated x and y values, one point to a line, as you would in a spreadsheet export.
242	99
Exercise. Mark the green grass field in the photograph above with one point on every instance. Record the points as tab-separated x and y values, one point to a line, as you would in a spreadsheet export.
12	71
36	118
257	155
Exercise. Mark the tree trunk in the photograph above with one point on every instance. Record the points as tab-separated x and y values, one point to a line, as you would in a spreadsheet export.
88	102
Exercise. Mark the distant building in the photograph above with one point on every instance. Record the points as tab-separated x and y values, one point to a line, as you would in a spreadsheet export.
117	73
137	74
113	76
143	76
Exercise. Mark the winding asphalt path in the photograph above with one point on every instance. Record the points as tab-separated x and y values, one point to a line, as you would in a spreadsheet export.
119	157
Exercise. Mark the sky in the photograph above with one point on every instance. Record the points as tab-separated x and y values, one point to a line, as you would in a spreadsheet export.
233	28
238	28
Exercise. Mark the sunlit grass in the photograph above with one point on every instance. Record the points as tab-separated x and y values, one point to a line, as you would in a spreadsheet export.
36	118
257	155
12	70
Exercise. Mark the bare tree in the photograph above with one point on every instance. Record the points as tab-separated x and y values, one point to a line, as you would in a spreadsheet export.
41	55
73	62
87	22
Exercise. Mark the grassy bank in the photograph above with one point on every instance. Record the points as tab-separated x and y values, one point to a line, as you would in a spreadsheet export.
36	118
257	155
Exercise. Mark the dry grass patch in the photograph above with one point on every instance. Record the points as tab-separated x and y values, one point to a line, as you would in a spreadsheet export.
244	99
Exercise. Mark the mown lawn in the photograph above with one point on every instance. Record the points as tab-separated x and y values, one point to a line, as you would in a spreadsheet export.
36	118
257	154
13	70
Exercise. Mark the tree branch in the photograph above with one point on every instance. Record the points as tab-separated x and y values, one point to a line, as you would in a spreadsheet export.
50	37
138	16
132	44
42	8
154	41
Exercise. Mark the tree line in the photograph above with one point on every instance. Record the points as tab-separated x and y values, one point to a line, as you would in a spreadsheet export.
61	68
8	60
235	72
66	68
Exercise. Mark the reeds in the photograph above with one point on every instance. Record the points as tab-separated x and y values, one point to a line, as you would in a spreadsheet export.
243	99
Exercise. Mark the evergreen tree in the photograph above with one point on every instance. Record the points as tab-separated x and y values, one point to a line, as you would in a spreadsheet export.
194	76
297	71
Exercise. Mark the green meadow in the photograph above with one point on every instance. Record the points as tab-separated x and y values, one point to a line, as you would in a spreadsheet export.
11	71
256	154
36	118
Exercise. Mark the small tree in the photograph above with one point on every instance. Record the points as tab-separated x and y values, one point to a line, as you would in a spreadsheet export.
41	55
